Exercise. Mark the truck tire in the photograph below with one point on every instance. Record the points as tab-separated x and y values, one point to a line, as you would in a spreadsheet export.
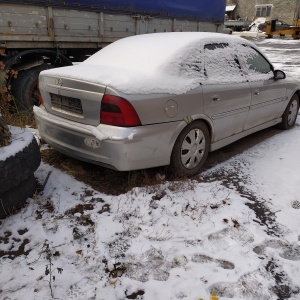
25	86
17	168
4	133
15	198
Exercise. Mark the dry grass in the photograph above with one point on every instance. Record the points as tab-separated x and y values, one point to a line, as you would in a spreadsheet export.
11	112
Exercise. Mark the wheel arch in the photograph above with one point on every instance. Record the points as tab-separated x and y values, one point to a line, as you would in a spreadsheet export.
298	93
31	58
189	120
19	64
209	124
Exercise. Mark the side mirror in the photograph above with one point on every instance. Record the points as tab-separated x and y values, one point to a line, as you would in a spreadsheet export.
278	74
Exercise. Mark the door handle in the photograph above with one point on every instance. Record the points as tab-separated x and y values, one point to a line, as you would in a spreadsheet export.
216	98
256	92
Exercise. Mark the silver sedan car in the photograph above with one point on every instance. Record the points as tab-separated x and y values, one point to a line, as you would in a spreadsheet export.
163	99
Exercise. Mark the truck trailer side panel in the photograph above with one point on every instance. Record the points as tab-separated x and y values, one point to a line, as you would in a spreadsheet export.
201	10
29	26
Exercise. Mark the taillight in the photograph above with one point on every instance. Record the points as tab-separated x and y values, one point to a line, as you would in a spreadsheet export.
118	111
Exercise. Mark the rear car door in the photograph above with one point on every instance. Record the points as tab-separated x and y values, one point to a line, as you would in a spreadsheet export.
226	92
267	94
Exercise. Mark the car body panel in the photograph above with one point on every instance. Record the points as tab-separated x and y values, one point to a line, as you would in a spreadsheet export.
227	106
267	102
224	142
168	108
115	147
90	96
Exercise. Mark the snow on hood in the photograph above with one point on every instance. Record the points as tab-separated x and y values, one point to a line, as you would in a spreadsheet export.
154	63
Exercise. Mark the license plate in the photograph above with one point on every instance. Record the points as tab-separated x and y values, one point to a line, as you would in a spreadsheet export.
69	104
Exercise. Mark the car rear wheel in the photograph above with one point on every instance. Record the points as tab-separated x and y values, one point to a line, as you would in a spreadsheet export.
290	114
190	150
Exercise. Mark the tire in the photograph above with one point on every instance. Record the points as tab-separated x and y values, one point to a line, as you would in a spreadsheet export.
4	133
13	199
290	114
19	167
25	86
190	150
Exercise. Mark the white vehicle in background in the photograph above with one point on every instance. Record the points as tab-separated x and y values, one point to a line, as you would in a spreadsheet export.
227	30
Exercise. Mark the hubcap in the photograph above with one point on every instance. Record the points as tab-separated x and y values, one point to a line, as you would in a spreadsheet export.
293	112
192	148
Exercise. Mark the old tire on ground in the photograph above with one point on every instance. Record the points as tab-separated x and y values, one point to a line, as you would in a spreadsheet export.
4	133
25	86
190	150
17	168
13	199
290	114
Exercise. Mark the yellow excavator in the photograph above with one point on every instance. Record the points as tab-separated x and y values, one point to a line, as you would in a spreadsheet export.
294	31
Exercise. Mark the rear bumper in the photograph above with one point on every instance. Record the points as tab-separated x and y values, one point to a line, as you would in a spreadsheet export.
118	148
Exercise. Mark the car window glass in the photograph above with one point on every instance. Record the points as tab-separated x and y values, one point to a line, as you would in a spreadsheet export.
255	63
221	64
214	46
191	65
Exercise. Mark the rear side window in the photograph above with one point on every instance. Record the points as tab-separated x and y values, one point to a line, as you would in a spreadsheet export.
215	46
192	65
221	64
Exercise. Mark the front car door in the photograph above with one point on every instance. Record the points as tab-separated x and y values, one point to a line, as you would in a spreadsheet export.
267	94
226	92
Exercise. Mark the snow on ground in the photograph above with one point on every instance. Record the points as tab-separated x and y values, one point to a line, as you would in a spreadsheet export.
234	232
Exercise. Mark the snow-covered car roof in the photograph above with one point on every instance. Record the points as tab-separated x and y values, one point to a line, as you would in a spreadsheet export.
150	63
151	51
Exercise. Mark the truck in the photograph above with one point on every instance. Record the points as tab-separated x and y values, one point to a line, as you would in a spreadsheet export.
238	25
36	35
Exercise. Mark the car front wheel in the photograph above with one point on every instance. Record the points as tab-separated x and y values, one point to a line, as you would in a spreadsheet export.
190	150
290	114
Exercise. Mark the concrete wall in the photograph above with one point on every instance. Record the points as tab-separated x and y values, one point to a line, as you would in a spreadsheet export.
282	9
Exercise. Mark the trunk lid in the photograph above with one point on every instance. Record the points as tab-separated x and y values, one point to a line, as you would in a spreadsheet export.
71	98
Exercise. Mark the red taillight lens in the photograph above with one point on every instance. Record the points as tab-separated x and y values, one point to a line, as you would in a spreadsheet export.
118	111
